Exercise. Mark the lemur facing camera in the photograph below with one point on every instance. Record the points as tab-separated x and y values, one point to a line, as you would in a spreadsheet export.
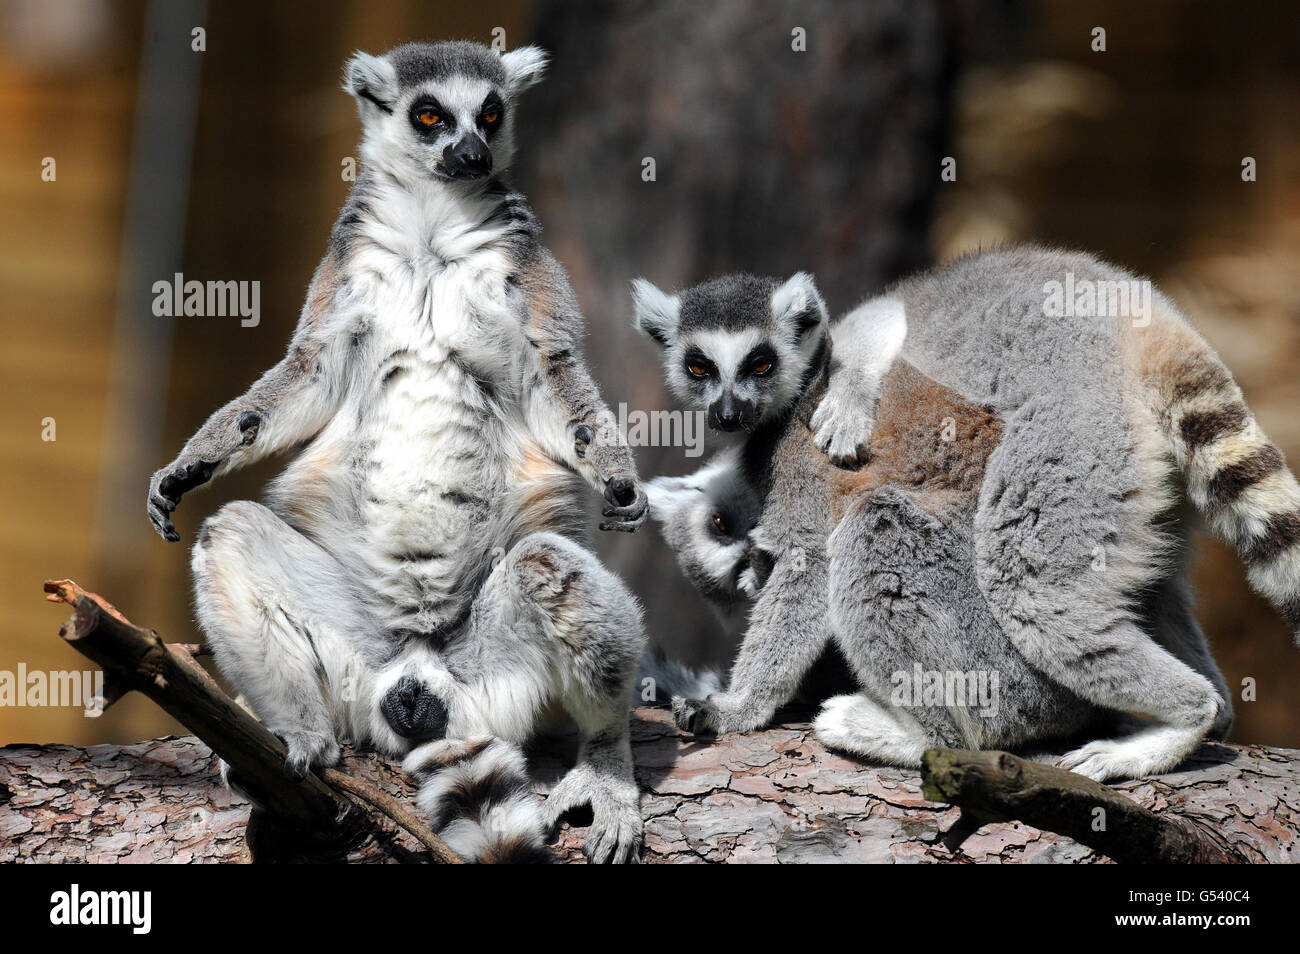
1018	512
414	574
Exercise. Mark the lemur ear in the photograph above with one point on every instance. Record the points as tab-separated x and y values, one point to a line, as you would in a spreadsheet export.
525	67
798	303
371	79
656	312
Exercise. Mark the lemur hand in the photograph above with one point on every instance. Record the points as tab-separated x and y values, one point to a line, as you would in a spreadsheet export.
166	488
720	712
628	503
842	423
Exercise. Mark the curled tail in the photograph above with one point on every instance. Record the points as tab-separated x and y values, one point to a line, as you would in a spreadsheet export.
477	797
1236	477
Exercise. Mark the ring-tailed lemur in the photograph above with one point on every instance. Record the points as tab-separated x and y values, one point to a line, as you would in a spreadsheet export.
1064	561
707	518
405	577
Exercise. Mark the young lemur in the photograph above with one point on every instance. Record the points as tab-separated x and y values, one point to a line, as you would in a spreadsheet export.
1042	543
413	574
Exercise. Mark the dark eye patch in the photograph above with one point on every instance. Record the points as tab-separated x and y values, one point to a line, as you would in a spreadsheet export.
698	366
492	114
430	106
759	362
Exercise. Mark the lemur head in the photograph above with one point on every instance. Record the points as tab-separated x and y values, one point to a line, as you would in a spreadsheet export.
738	346
441	109
706	519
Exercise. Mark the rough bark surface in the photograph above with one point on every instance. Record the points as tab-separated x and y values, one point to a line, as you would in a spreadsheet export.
771	796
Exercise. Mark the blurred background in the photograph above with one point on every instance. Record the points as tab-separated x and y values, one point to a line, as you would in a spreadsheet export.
225	163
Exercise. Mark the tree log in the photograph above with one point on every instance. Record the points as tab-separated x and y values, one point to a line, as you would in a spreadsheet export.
770	796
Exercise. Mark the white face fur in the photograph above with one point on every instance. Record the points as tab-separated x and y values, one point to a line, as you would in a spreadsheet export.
738	346
441	110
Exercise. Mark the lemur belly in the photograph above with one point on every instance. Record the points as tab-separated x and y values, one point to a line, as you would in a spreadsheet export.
418	458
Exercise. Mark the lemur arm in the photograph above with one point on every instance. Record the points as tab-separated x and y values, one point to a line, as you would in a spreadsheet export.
288	404
864	344
787	633
562	403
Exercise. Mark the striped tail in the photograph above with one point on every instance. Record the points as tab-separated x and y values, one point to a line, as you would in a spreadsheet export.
477	797
1236	477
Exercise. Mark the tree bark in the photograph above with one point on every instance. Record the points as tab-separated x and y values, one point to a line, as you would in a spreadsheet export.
770	796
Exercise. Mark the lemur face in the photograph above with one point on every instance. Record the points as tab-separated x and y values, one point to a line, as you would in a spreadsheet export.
706	519
736	346
441	110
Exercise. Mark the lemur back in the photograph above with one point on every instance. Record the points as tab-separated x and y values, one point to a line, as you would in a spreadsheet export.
1065	556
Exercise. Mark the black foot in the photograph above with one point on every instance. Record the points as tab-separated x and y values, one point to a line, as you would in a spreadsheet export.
413	711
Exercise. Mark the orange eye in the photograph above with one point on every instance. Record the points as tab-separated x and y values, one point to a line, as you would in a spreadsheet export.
428	117
491	116
720	523
761	367
697	369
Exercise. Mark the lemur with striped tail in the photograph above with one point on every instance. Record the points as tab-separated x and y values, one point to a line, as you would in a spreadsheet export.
414	575
1073	566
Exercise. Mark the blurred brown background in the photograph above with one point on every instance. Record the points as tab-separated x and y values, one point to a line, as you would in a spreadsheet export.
225	164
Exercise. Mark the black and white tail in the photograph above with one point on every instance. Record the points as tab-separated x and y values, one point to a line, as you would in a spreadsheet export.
477	797
660	678
1236	477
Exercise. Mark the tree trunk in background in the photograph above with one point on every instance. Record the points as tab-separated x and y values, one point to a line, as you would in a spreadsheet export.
766	159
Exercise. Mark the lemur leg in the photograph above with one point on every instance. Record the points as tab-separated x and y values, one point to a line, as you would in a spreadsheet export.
551	624
287	629
1064	542
1167	615
788	631
905	609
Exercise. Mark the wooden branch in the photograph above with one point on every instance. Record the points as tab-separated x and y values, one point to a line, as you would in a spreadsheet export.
999	787
307	815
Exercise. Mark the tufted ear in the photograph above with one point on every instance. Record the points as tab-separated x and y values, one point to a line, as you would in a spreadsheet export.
798	303
656	312
525	67
371	80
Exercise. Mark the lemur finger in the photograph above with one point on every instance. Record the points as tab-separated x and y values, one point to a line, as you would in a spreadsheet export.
622	527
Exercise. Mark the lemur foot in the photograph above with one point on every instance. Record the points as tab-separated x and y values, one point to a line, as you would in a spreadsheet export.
842	425
1136	756
721	712
413	710
616	828
307	749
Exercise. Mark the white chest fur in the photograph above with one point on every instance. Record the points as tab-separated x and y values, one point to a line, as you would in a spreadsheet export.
441	350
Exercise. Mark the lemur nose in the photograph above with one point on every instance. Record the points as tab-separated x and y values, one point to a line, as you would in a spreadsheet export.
471	157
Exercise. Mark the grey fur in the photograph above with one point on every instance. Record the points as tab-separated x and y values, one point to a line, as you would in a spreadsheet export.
1067	573
438	403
